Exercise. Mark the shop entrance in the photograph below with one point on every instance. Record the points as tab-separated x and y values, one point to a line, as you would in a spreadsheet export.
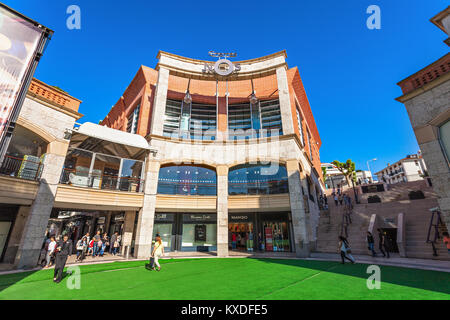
187	231
76	224
241	228
264	231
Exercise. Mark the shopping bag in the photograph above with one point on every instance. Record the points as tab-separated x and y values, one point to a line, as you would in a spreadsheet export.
151	264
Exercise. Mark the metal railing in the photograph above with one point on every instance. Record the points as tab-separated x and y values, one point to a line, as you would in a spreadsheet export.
258	187
187	188
21	168
101	181
435	222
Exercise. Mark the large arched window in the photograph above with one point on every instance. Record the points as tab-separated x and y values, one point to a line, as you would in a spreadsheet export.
258	179
187	180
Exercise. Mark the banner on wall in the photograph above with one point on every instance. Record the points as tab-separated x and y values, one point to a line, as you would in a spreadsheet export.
22	42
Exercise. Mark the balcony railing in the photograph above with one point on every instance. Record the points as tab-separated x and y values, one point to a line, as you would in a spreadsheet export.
21	168
258	187
101	181
187	188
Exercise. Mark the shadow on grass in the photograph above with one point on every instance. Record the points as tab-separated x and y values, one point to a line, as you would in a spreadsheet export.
422	279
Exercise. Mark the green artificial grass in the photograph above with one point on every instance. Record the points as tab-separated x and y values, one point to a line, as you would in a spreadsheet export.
229	279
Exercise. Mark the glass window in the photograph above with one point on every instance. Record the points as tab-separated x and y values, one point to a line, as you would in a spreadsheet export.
257	179
133	119
246	121
310	146
187	180
271	118
239	121
444	138
300	129
130	176
190	121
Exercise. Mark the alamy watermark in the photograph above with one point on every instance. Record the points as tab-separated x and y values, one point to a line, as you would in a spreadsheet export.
74	280
73	21
374	280
374	20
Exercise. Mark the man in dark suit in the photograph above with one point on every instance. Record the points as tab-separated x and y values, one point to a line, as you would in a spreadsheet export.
63	251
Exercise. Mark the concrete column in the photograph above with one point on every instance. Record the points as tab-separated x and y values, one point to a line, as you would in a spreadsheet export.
222	211
16	234
159	104
144	230
300	219
34	231
285	101
128	226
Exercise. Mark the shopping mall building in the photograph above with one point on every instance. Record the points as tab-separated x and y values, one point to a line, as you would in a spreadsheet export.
215	156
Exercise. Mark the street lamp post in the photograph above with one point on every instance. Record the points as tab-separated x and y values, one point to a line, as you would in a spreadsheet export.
368	167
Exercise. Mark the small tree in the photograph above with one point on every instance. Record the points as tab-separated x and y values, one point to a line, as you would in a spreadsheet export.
347	169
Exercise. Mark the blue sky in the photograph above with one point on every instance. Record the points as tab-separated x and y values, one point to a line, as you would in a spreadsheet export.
349	72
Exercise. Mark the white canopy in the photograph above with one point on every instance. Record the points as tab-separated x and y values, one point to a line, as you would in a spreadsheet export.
107	140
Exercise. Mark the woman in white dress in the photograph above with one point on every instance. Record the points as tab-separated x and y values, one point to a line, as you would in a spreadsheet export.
158	251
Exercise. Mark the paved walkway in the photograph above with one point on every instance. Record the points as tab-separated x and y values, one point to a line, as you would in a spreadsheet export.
425	264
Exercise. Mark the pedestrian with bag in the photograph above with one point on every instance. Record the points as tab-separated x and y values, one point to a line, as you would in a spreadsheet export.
344	248
158	251
81	245
63	251
112	241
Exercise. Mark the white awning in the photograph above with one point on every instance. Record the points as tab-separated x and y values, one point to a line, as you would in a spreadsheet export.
110	141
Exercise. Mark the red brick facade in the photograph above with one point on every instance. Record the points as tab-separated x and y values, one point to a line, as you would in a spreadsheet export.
142	89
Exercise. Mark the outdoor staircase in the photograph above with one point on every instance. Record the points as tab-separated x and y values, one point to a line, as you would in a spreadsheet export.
394	201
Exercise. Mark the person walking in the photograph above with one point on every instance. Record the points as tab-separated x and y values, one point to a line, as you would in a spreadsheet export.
50	250
371	243
340	199
112	241
63	251
344	248
97	239
81	245
116	246
158	251
382	244
105	243
336	200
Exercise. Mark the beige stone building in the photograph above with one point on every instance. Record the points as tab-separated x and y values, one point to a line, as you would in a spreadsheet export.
426	96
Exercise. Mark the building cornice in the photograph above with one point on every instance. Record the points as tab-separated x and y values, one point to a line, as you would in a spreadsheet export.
54	106
193	68
412	94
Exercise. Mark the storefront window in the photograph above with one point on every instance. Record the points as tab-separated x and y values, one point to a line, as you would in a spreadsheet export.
258	179
199	232
187	180
241	232
275	236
